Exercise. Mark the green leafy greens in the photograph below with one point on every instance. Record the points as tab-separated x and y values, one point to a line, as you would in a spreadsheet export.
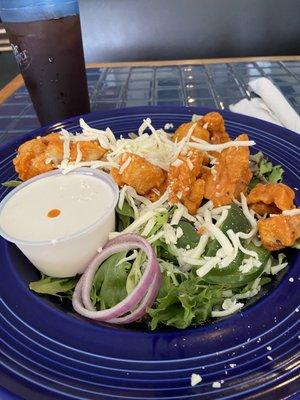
60	287
12	184
264	171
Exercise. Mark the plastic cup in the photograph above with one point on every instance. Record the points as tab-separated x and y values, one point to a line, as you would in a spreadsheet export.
69	255
45	36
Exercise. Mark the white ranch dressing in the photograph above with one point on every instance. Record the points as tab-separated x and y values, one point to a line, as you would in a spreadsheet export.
80	200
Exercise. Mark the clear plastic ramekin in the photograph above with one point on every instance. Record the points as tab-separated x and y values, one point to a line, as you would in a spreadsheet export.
69	255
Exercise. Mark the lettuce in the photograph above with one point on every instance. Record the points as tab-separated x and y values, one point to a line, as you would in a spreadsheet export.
264	171
60	287
188	303
12	183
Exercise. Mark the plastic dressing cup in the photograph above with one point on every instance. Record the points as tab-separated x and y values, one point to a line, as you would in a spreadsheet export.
60	221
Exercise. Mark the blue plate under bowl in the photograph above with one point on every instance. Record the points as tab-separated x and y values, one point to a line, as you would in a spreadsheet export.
50	353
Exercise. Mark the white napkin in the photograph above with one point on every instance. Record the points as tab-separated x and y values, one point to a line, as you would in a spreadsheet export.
271	106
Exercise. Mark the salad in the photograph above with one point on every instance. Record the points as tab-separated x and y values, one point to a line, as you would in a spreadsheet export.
201	222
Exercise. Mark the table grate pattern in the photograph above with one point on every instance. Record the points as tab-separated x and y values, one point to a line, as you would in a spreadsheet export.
211	85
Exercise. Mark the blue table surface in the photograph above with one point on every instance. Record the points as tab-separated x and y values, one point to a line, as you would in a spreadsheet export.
211	85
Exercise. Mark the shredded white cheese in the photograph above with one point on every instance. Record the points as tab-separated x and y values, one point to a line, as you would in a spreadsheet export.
78	154
168	126
177	163
207	206
125	165
144	126
199	249
229	307
281	265
169	234
222	218
205	146
221	238
178	214
230	258
190	164
148	227
155	237
129	258
291	213
139	222
210	264
256	283
247	295
48	160
248	264
65	136
122	197
246	211
195	379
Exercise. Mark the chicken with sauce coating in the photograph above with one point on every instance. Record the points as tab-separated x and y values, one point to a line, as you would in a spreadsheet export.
138	173
271	198
44	154
230	176
279	231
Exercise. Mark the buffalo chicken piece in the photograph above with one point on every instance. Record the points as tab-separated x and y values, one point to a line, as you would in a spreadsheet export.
198	132
230	176
271	198
183	184
138	173
45	154
210	127
215	125
279	231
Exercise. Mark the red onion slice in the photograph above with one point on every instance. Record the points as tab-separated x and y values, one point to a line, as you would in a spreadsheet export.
148	285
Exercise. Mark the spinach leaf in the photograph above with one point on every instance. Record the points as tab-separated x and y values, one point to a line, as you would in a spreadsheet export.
109	284
163	250
236	221
231	276
190	236
125	216
61	287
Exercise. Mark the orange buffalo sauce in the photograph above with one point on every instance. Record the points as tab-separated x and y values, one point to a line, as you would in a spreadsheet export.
53	213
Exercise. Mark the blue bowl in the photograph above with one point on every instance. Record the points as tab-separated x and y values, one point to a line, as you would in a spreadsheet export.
48	352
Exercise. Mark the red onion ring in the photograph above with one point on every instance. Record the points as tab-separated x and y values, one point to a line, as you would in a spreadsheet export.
143	294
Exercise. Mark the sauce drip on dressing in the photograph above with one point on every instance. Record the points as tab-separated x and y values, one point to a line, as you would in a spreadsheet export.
53	213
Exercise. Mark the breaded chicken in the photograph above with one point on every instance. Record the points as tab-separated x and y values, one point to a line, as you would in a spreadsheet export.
46	153
211	128
194	199
279	231
182	180
215	125
271	198
30	160
230	177
182	131
139	174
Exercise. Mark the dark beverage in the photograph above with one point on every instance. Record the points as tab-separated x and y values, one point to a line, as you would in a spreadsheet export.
50	56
